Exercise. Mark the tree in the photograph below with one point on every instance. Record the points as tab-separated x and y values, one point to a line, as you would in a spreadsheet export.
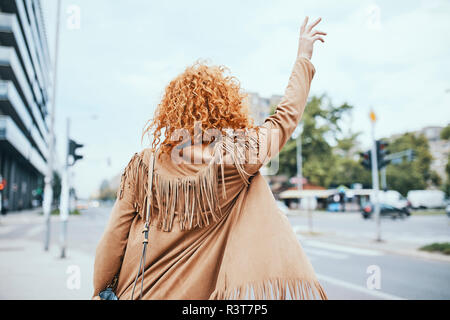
445	135
347	171
321	125
106	192
412	175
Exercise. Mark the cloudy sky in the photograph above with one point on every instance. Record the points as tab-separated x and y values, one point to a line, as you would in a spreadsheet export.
116	59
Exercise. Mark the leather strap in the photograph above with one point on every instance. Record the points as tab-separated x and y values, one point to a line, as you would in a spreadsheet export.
151	168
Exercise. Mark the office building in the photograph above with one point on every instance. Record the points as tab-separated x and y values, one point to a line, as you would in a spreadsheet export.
24	101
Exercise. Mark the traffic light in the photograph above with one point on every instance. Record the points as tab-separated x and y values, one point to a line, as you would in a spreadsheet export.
73	146
366	159
382	152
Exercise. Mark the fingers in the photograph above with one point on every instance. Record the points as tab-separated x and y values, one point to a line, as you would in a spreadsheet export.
316	32
317	38
305	22
315	23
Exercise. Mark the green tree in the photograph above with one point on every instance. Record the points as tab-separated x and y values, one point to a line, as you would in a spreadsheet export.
321	125
106	192
445	135
412	175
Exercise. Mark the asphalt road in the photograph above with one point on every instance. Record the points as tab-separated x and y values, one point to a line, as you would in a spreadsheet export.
342	269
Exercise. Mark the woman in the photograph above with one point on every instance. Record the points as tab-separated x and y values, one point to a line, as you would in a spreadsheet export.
215	231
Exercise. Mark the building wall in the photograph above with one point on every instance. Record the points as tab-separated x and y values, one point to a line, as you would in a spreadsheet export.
439	149
24	99
260	107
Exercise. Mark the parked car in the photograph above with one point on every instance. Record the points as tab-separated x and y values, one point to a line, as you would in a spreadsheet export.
385	210
426	198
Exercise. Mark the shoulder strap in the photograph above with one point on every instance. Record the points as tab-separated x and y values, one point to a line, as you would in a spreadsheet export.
151	169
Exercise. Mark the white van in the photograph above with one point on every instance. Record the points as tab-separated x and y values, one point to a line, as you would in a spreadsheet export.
392	198
426	198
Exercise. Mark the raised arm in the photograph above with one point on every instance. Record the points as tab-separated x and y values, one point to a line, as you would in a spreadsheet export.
277	128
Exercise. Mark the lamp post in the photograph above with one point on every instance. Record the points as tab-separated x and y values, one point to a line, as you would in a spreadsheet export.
48	189
298	137
375	180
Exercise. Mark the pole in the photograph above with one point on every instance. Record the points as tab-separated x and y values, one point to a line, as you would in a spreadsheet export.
383	179
48	189
299	162
375	182
65	193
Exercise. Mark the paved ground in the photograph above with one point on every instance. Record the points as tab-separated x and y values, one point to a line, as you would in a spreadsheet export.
341	252
342	248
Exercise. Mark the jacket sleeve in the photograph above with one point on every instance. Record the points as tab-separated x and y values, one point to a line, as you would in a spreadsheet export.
277	128
111	248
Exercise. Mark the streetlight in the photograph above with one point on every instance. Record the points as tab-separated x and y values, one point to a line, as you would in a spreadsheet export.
48	189
297	135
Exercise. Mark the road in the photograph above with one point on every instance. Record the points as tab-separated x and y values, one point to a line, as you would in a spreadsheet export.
342	269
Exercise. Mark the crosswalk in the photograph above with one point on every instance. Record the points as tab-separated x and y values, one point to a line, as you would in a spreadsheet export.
337	279
339	248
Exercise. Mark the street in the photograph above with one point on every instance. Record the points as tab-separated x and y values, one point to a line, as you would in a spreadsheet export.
341	251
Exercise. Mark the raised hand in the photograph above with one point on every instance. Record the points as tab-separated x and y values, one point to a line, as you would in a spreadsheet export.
308	36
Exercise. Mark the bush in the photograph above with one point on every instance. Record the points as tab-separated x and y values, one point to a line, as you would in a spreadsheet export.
443	247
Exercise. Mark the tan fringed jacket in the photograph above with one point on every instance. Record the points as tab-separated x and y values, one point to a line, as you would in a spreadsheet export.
215	229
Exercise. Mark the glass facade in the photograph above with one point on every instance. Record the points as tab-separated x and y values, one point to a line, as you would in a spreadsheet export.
24	100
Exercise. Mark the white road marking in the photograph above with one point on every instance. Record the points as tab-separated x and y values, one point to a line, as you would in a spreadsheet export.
34	231
325	253
351	286
341	248
298	228
6	229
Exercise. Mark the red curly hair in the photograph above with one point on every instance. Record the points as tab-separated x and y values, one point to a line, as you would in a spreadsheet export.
201	94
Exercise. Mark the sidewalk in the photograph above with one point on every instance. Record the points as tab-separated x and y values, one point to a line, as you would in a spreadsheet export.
28	272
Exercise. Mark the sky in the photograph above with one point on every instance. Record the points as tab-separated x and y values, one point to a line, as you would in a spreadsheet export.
116	57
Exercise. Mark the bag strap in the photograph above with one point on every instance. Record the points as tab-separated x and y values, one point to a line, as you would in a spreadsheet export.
151	169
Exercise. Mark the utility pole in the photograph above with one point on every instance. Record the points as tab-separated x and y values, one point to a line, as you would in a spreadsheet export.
383	179
48	188
65	194
299	158
375	182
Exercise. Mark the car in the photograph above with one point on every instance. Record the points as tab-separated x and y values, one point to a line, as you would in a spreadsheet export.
385	210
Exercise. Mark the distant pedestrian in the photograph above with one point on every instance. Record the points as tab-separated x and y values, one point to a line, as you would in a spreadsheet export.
214	229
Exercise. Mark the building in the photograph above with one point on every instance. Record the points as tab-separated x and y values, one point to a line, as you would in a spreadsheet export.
24	100
260	108
439	149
